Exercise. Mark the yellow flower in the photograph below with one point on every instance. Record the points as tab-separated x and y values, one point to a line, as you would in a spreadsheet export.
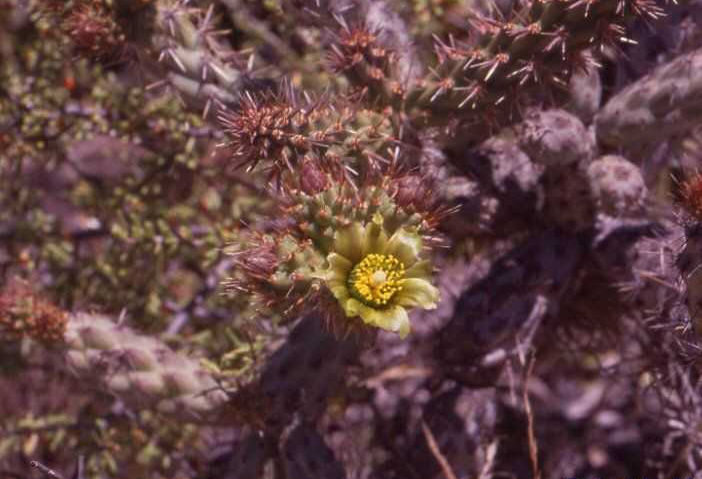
379	278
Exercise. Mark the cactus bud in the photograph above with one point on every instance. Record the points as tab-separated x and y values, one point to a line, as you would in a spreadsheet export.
617	185
691	196
93	30
23	313
312	179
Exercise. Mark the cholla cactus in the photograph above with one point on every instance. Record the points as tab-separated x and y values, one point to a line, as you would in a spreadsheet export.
560	143
532	46
200	65
93	30
286	131
354	227
163	34
358	245
23	313
141	368
659	105
617	185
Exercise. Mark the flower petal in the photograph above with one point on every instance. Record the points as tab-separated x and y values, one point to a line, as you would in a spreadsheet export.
405	246
352	307
339	267
393	319
340	292
375	236
349	242
417	292
420	269
403	328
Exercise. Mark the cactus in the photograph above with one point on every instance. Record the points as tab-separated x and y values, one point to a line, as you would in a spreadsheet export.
196	59
166	35
559	141
645	275
23	313
534	45
555	138
129	364
288	130
362	57
377	212
585	94
617	186
663	103
509	173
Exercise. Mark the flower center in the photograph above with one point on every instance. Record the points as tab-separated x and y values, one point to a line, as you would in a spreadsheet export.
376	279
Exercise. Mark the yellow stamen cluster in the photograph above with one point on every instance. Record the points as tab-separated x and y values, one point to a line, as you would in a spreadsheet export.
376	279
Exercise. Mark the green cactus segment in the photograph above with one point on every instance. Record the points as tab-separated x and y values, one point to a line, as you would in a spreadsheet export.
278	270
666	102
367	63
539	43
139	368
322	215
279	131
284	133
326	160
197	61
282	269
323	159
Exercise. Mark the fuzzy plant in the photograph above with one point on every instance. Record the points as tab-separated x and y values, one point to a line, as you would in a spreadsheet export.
142	367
